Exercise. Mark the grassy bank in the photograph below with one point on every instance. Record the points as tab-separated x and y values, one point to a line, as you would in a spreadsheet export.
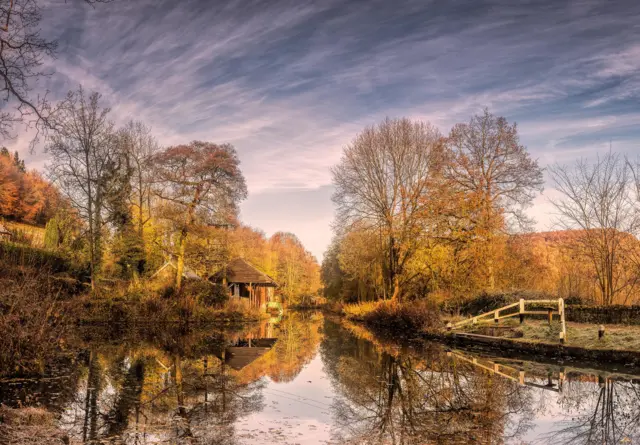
583	335
419	319
41	306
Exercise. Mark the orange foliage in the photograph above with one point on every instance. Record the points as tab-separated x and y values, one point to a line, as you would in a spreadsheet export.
555	263
25	196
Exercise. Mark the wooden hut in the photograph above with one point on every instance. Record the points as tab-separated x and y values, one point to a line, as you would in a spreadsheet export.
246	281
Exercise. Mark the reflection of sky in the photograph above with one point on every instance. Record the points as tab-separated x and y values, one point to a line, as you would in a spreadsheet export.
295	412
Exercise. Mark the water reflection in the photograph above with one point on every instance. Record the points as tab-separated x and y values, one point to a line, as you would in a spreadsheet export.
305	379
403	397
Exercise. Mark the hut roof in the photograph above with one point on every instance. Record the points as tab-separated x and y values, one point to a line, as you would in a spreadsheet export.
237	357
187	272
240	271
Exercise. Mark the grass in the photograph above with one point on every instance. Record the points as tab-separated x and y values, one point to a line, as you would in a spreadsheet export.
617	337
35	234
357	311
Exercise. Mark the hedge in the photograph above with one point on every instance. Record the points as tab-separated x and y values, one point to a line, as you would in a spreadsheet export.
617	314
20	255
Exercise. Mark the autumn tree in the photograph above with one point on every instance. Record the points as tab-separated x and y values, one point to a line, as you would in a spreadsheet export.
380	181
496	173
361	259
83	152
203	182
139	145
127	242
296	270
25	196
599	199
9	186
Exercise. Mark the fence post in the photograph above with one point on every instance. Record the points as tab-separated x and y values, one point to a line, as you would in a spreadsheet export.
562	319
521	310
495	316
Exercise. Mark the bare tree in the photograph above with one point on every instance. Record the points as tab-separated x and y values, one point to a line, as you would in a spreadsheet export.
599	200
22	51
381	182
203	182
140	145
82	150
488	162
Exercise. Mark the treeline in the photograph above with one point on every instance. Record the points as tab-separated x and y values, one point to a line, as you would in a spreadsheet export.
424	215
25	196
125	206
282	256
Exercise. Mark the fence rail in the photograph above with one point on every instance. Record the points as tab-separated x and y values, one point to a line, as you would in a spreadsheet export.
522	312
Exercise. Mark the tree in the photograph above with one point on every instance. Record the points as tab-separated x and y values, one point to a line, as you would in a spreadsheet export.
128	245
22	52
599	200
83	155
488	163
139	145
296	270
361	259
24	196
380	183
203	181
9	186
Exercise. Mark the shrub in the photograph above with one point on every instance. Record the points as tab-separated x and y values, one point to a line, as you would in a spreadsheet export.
32	321
616	314
205	292
26	256
409	317
168	292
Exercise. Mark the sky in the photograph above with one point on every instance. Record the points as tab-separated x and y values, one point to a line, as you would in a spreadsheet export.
290	83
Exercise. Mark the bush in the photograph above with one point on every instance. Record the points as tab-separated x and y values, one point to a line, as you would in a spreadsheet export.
410	318
205	292
32	321
25	256
168	292
617	314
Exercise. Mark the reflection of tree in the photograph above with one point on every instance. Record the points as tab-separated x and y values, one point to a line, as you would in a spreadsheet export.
389	399
298	336
128	400
90	428
170	394
606	414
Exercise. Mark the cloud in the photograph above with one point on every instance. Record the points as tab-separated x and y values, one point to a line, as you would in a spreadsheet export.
289	83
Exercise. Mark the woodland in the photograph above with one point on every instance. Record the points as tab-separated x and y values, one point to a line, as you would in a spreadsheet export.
421	216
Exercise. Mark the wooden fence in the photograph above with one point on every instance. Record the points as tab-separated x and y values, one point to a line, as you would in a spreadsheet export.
522	311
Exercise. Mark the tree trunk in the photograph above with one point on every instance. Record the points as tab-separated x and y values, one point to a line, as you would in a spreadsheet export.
396	297
181	251
183	238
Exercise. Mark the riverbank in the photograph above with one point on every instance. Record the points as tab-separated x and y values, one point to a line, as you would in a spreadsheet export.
39	308
535	338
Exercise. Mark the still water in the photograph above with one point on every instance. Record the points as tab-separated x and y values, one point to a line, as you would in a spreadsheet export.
305	379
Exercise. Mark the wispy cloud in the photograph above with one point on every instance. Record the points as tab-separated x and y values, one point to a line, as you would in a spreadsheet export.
289	83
